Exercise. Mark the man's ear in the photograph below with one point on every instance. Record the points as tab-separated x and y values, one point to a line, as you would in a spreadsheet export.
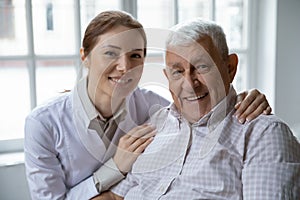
232	65
166	73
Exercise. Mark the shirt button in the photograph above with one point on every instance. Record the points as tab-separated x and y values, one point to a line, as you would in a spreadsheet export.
161	188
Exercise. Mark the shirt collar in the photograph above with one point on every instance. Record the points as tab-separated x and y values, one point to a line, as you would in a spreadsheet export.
89	108
216	115
86	102
221	110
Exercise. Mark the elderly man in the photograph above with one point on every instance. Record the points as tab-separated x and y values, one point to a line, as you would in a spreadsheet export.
201	151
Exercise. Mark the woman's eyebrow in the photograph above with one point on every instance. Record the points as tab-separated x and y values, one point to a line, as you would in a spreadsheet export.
111	46
119	48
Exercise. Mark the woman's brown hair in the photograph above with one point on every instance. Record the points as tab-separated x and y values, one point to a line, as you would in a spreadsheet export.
105	21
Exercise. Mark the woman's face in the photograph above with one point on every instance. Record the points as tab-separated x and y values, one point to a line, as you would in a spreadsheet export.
116	63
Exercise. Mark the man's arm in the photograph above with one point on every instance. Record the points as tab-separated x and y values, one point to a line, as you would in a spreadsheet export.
107	196
272	163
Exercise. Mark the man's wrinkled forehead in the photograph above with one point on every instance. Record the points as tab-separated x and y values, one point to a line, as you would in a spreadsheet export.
191	51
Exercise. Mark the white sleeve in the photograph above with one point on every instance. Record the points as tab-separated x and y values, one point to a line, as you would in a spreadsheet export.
107	175
45	176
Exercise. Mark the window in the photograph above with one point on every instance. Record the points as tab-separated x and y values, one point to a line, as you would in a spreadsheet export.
39	51
6	19
49	16
232	15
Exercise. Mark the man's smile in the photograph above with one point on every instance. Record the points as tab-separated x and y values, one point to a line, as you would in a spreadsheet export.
195	98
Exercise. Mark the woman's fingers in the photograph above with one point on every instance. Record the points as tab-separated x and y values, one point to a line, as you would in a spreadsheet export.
140	148
139	132
132	145
253	111
137	142
251	106
240	98
268	110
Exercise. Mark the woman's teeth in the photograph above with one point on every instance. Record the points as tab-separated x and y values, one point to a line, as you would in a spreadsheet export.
120	81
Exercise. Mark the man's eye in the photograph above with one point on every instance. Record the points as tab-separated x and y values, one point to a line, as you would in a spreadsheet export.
177	73
202	69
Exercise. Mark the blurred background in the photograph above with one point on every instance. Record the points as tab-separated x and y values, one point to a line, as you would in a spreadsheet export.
39	57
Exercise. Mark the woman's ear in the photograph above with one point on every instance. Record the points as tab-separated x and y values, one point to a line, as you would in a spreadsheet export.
232	65
82	56
84	59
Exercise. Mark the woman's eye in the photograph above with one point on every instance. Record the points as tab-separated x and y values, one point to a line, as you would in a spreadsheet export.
111	53
135	55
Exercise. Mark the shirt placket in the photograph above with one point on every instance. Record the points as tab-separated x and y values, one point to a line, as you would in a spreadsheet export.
178	165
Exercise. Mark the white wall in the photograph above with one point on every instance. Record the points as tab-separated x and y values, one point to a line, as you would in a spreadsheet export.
287	89
278	52
13	184
263	49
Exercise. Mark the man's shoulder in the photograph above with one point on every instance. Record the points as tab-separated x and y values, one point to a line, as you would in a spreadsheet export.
268	138
264	122
270	129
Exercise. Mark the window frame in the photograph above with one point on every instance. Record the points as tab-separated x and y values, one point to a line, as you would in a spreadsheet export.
16	145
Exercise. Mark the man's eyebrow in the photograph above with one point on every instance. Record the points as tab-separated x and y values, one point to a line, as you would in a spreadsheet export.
174	64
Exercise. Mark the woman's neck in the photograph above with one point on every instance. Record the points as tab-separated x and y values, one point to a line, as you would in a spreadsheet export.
105	104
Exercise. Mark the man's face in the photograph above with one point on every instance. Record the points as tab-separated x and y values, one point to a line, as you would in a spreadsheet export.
198	77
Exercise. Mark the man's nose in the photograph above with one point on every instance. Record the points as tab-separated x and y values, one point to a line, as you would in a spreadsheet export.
123	63
191	79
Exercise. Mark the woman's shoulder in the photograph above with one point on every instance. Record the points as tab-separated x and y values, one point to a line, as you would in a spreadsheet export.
55	105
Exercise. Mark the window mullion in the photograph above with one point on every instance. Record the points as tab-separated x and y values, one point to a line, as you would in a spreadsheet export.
176	10
31	61
77	18
213	10
129	6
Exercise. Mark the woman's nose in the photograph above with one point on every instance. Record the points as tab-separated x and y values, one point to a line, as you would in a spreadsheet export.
123	63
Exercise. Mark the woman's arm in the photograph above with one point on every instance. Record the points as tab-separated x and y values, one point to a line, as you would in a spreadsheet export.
250	104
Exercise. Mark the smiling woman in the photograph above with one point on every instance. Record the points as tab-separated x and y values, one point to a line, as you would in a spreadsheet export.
115	66
86	140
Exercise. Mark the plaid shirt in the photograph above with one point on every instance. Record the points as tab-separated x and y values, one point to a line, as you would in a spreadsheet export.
216	158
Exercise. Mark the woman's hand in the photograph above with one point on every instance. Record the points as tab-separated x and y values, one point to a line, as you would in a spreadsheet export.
132	145
250	105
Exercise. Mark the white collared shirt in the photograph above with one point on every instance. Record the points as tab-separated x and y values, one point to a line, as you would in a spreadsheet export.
62	153
104	127
216	158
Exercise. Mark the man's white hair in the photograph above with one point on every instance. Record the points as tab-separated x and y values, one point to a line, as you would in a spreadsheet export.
193	30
